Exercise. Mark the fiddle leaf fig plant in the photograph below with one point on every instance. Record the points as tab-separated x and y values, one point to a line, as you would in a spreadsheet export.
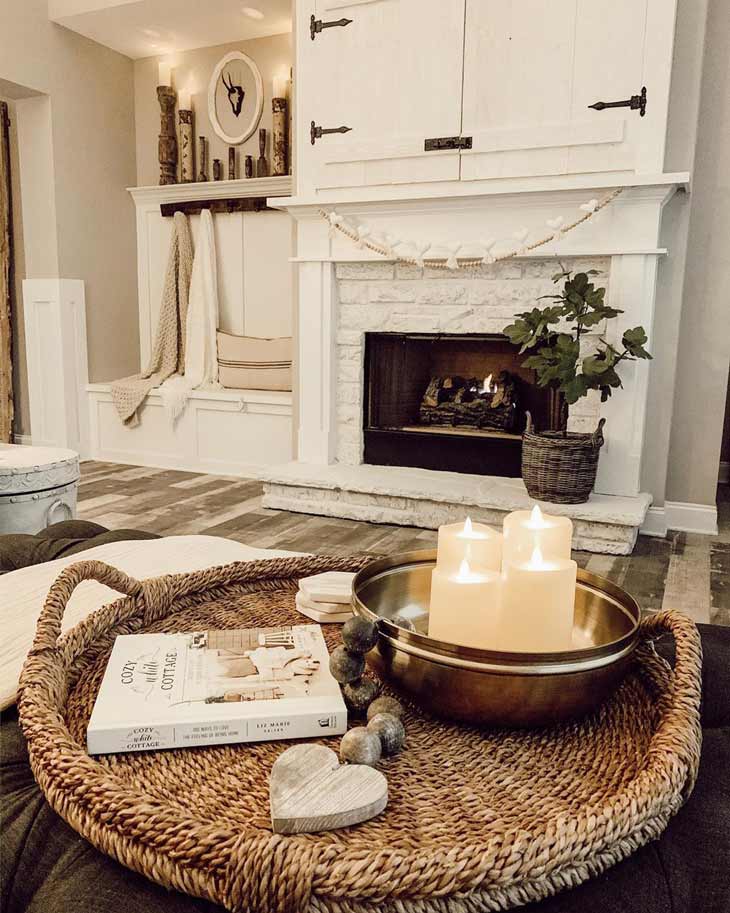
552	338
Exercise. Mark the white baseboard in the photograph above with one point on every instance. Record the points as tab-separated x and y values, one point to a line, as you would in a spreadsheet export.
723	476
655	523
22	439
681	516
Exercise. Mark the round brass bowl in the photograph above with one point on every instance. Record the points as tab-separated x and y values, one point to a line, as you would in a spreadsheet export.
492	687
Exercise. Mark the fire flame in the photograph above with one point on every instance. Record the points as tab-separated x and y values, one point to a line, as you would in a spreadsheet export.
537	561
487	386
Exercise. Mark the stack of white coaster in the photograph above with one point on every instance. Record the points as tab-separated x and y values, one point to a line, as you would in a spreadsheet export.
326	597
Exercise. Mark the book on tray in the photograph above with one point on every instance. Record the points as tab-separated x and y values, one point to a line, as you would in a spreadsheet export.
214	688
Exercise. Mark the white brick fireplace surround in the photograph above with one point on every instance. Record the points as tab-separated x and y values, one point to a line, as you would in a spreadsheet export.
345	292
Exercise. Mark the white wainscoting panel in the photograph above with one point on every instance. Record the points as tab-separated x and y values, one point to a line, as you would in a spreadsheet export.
225	432
55	334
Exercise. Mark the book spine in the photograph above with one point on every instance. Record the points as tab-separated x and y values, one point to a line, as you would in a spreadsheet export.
215	732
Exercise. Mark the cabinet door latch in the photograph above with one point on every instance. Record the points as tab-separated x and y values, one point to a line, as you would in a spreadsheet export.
316	132
446	142
636	103
317	25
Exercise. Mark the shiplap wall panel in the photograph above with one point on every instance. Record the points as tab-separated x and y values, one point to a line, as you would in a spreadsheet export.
254	272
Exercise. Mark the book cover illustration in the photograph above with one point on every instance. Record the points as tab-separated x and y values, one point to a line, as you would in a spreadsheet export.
213	687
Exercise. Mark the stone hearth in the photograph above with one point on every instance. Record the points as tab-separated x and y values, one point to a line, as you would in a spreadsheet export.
422	497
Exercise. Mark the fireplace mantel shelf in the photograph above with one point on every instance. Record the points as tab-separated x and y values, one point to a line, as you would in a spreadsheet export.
474	192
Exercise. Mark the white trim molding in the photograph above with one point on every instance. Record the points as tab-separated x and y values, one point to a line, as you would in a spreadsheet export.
681	517
55	332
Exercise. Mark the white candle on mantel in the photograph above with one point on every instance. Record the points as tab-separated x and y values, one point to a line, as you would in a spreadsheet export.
184	99
164	74
524	529
279	83
478	543
537	605
464	607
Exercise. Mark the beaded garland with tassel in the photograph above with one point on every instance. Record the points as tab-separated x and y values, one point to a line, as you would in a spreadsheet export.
415	253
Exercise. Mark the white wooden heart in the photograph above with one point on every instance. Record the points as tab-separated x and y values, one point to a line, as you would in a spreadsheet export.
310	791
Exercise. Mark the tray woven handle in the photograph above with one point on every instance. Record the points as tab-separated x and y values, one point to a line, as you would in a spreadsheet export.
683	715
48	629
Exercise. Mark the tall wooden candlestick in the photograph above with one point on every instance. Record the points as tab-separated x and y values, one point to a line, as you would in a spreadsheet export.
167	146
262	166
187	147
203	159
231	163
278	142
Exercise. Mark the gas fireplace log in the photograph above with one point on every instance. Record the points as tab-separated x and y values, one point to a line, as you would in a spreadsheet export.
469	402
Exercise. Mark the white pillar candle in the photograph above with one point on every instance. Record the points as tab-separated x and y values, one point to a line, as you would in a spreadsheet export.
524	529
278	85
464	607
478	543
184	99
164	74
537	605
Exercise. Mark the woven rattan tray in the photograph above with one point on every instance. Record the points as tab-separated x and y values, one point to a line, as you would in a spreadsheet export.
477	820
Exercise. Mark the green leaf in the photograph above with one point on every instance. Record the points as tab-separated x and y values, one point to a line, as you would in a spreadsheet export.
594	365
595	317
574	389
634	340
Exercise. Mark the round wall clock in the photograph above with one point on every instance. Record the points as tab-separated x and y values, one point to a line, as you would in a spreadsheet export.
235	98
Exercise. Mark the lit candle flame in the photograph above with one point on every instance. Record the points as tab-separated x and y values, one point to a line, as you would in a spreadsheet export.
468	528
537	561
536	516
464	569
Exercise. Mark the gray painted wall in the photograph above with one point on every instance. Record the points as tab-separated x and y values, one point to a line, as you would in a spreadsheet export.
704	350
86	94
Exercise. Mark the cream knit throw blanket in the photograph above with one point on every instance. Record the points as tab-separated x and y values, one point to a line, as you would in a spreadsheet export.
201	354
168	354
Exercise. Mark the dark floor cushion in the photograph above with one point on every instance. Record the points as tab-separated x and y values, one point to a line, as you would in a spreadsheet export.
66	538
47	868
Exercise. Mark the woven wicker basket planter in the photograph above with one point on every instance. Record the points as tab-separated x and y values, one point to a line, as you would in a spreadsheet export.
560	468
477	820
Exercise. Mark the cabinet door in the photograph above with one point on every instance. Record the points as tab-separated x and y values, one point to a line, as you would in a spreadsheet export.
394	76
531	70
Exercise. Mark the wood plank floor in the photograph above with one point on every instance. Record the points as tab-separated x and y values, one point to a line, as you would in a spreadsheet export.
683	571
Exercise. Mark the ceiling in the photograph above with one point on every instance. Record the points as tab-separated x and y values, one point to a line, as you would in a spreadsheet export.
147	28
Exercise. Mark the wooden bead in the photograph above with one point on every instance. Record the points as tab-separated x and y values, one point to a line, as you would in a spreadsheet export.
358	746
389	730
346	666
386	704
360	694
359	635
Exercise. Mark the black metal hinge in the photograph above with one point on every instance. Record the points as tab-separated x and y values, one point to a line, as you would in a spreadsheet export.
447	142
317	25
636	103
316	132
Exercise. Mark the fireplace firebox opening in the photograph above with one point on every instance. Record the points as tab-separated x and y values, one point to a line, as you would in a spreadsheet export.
449	402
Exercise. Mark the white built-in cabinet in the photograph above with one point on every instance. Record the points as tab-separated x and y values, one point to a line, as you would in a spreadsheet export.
516	76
